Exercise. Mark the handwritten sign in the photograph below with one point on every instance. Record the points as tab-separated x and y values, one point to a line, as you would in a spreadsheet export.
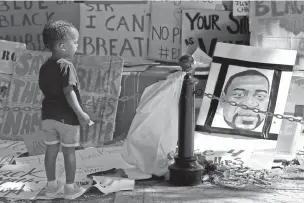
230	158
278	24
21	182
10	150
166	27
241	8
274	9
100	78
34	143
205	28
85	157
237	151
8	55
23	21
25	97
116	30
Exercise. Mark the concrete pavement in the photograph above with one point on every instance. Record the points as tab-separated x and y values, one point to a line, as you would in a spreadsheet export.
287	191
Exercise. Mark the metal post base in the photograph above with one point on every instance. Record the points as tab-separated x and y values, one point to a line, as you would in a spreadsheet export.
186	172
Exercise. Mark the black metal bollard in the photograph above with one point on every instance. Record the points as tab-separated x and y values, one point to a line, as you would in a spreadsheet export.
186	171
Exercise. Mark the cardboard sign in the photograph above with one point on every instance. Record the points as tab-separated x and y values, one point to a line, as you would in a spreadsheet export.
8	55
23	21
25	97
275	9
248	76
85	157
115	29
166	27
100	78
241	8
291	132
5	82
278	24
10	150
229	158
204	28
21	182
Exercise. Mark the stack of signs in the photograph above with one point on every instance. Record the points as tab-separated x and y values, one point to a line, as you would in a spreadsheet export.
99	78
249	81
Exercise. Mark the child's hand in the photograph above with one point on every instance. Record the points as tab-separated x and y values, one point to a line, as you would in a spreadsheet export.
84	117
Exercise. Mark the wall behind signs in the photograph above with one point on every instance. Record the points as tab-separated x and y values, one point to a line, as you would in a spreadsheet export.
23	21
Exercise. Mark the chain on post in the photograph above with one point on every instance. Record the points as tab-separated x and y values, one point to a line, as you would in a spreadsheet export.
200	92
38	108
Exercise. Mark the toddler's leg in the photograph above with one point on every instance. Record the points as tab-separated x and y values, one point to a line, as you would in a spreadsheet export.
50	161
69	163
52	147
69	138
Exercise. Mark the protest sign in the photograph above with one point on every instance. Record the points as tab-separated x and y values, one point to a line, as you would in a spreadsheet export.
166	27
25	97
278	24
5	82
115	29
241	8
230	158
10	150
291	132
205	28
23	21
86	157
21	181
8	55
34	143
99	78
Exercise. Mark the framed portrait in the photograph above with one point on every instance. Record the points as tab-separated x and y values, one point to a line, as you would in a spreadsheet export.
246	79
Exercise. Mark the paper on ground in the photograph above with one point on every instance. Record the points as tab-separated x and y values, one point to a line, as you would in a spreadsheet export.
10	150
231	149
105	158
108	185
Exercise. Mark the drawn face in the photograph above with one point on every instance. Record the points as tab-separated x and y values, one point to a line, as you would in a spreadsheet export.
252	91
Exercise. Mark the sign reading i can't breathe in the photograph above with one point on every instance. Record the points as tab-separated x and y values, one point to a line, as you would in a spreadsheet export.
116	30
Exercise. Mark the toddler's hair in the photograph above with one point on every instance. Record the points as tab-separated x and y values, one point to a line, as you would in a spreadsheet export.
55	31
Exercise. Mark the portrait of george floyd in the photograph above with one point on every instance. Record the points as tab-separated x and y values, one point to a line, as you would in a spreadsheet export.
245	86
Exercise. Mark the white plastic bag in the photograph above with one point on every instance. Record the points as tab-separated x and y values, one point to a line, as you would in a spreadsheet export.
153	133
